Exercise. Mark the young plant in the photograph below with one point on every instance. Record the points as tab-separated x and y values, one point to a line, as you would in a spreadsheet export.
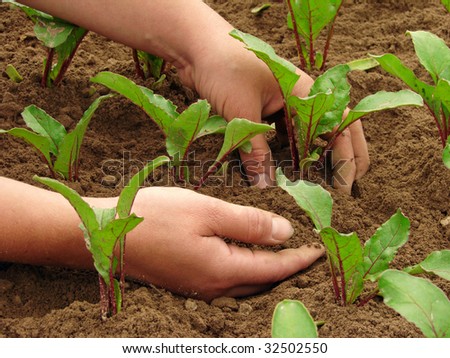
307	19
322	111
182	129
61	39
105	232
351	265
291	319
446	3
148	65
13	74
434	55
57	148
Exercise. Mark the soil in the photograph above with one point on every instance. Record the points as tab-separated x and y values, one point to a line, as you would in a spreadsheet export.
406	172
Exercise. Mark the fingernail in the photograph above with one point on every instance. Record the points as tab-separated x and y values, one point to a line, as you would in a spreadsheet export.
281	229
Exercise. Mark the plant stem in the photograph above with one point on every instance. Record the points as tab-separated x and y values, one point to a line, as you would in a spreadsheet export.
370	296
297	36
291	136
48	66
122	268
103	298
212	169
112	295
67	62
334	280
329	36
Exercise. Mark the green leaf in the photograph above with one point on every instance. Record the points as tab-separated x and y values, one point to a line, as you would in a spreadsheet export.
417	300
214	125
446	3
291	319
380	101
31	13
363	64
312	198
238	132
334	80
310	111
152	64
433	54
65	52
40	122
84	211
437	263
313	16
283	70
42	145
345	255
52	32
393	65
185	128
441	97
446	154
381	248
159	109
13	74
69	150
129	192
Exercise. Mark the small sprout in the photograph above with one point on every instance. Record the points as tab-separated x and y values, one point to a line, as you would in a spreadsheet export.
182	129
307	19
446	154
258	10
291	319
417	300
434	55
13	74
148	65
105	230
322	111
57	148
363	64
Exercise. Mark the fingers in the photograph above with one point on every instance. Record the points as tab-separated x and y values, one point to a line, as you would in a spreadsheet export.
244	223
360	150
257	271
258	165
343	161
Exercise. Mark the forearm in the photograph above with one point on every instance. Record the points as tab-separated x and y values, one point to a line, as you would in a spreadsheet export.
40	227
151	25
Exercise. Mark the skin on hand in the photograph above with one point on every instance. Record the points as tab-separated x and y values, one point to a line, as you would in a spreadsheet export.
178	246
233	80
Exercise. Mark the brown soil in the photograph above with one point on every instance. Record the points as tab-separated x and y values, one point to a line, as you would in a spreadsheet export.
406	172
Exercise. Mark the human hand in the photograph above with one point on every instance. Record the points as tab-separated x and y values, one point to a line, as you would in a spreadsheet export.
179	245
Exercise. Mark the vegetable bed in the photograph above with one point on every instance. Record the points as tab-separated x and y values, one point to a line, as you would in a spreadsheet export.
406	172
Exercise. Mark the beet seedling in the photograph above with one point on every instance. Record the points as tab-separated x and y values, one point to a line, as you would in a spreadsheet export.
322	111
434	55
307	19
57	148
148	65
351	265
105	231
61	39
291	319
182	129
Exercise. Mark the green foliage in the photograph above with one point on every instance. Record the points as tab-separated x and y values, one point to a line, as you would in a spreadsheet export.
434	55
60	37
258	10
104	229
58	149
182	129
446	154
437	263
321	111
308	18
12	73
291	319
417	300
350	264
148	65
446	3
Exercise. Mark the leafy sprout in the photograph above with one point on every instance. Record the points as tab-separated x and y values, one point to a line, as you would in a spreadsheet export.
57	148
105	232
